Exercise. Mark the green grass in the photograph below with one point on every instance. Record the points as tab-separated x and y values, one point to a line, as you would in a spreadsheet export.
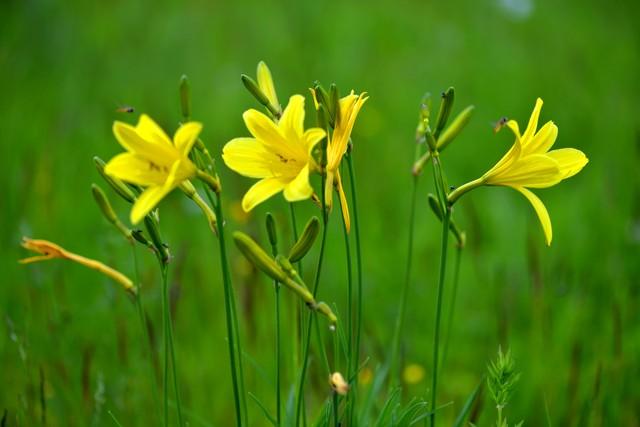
568	313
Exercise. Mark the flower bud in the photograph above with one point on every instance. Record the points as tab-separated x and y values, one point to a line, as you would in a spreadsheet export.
306	240
334	102
107	210
162	251
324	309
258	257
455	128
271	231
260	96
120	187
444	111
185	97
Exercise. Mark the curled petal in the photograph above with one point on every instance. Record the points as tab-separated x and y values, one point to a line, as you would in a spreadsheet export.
147	201
570	160
543	139
533	121
344	207
186	136
541	211
261	191
265	81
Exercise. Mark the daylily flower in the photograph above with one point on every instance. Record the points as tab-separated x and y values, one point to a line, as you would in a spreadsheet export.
349	107
49	250
530	164
279	154
265	82
152	160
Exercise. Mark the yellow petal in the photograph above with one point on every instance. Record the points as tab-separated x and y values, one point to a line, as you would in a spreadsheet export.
249	158
350	106
541	211
261	191
135	169
535	171
147	201
533	122
150	131
186	136
570	160
292	121
133	141
180	171
344	207
299	188
265	81
543	139
328	189
312	137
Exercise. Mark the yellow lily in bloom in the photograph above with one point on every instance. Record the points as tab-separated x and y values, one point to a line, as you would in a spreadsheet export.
279	154
265	83
530	164
49	250
152	160
349	107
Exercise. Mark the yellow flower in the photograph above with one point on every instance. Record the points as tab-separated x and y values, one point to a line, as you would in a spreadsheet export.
265	82
338	383
530	164
279	154
49	250
350	106
152	160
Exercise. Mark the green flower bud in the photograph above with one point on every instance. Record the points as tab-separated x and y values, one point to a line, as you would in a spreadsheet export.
108	212
306	240
162	250
185	98
444	111
258	257
271	231
258	94
455	128
120	187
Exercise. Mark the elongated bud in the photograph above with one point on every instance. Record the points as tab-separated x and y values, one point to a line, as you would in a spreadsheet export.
455	127
334	102
188	189
431	141
338	384
154	234
271	231
444	111
118	186
434	204
265	83
322	116
108	212
258	257
324	100
185	97
325	310
306	240
423	116
138	234
258	94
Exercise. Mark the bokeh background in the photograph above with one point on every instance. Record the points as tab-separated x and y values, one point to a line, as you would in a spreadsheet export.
568	312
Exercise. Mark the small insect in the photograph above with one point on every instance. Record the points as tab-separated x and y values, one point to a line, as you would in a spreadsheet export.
500	124
125	109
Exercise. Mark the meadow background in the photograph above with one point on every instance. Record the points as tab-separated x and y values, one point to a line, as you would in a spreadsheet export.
569	312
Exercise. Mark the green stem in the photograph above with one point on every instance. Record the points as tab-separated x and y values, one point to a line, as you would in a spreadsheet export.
165	339
349	296
143	326
276	286
452	304
169	332
395	350
233	335
458	192
436	336
356	226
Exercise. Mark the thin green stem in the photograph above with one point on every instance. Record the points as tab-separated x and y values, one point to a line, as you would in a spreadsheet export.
452	305
169	336
395	350
143	327
356	226
276	287
233	338
436	336
165	339
349	296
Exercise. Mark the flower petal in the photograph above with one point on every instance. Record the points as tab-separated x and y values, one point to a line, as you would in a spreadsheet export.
248	157
261	191
533	122
541	211
133	141
299	188
147	201
535	171
570	160
265	81
136	169
150	131
291	123
186	136
350	106
543	140
344	207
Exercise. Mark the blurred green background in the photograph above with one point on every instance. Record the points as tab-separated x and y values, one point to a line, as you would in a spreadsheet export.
568	312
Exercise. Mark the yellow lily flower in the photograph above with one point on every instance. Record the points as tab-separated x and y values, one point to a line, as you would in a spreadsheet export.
152	160
49	250
530	164
279	154
350	106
